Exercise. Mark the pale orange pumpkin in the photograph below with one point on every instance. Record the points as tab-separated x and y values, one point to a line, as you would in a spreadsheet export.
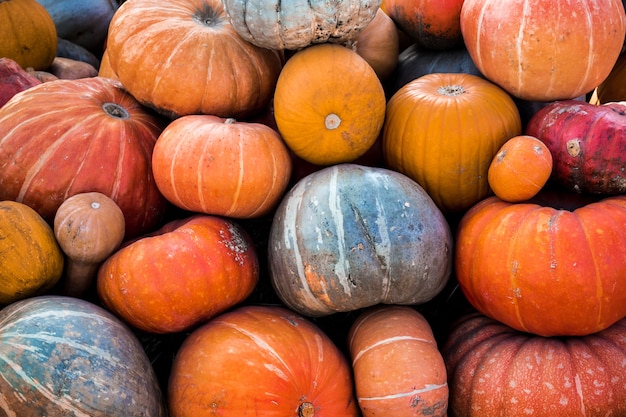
184	57
338	110
443	129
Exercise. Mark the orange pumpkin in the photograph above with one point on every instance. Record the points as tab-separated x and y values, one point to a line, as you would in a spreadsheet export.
520	169
544	50
260	361
181	275
183	57
398	369
27	33
339	108
219	166
542	269
105	69
613	88
443	129
31	261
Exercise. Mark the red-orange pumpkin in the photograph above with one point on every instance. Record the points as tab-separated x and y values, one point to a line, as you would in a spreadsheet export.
181	275
398	369
544	50
219	166
184	57
544	270
260	361
67	137
495	371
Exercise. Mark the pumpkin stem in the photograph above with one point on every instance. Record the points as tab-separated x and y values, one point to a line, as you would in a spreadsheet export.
207	16
332	121
451	90
306	409
115	110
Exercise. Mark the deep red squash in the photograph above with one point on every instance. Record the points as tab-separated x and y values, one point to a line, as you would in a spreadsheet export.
260	361
181	275
495	371
67	137
542	269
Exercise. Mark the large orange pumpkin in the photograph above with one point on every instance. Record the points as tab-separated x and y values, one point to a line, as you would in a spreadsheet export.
260	361
443	130
219	166
329	104
544	50
398	369
184	57
545	270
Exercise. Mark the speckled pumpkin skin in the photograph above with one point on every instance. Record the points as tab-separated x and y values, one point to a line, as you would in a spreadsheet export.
62	356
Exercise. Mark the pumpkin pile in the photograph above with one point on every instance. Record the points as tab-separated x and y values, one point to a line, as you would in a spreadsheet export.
312	209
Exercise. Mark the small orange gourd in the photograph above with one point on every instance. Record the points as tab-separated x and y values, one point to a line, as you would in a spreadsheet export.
520	169
339	108
31	261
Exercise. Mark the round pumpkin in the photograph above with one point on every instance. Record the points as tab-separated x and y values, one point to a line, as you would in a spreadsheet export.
338	110
587	143
434	24
544	50
398	369
496	371
88	227
66	137
218	166
443	129
613	88
64	356
520	169
297	24
105	70
260	361
31	261
27	34
184	57
542	269
348	237
181	275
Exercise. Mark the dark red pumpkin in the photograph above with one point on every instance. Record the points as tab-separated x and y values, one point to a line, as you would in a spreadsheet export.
67	137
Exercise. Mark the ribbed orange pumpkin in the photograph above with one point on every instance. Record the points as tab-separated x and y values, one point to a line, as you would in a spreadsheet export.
443	129
544	50
184	57
260	361
398	369
543	270
338	110
219	166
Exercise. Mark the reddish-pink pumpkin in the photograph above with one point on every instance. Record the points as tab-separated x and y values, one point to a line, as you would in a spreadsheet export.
495	371
61	138
587	143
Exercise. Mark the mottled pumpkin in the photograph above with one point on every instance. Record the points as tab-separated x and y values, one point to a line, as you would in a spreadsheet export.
543	269
443	129
184	57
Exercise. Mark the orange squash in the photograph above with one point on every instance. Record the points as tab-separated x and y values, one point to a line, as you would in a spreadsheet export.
520	169
27	33
398	369
338	110
219	166
184	57
31	261
443	129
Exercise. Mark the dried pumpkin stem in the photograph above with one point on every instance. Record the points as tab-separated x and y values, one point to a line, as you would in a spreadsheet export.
451	90
306	409
332	121
115	110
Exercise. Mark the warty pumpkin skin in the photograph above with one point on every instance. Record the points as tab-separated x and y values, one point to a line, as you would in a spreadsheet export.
66	137
544	50
31	261
219	166
181	275
348	237
544	270
339	108
260	361
398	369
496	371
443	129
184	57
296	24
